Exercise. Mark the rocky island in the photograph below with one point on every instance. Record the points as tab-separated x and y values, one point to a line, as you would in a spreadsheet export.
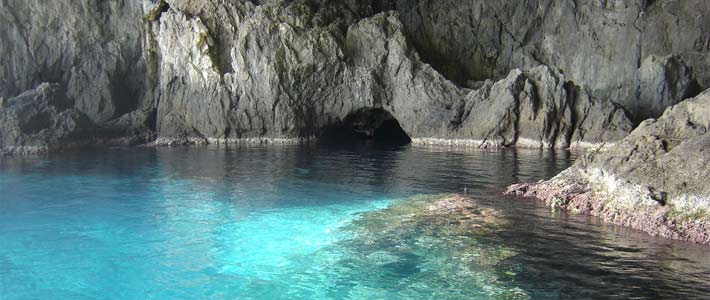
622	78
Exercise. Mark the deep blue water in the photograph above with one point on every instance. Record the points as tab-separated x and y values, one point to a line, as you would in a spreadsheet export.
276	222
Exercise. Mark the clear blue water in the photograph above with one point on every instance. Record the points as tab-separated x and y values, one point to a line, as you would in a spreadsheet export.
276	222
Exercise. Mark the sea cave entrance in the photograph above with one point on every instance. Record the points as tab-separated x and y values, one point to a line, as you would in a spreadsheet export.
372	125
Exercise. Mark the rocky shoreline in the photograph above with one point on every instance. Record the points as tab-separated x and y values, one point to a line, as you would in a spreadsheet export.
654	180
167	142
653	219
522	143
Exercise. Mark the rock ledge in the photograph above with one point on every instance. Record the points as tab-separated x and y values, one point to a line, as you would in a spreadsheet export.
654	180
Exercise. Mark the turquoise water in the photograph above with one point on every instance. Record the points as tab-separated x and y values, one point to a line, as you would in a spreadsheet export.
283	222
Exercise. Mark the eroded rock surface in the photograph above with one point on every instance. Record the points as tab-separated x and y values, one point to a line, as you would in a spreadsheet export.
92	48
309	79
600	45
506	73
41	119
656	179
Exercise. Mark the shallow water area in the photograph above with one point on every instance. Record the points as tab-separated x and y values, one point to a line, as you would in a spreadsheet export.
300	222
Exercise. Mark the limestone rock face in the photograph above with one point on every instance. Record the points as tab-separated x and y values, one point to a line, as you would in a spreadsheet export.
291	82
41	119
599	45
504	73
92	48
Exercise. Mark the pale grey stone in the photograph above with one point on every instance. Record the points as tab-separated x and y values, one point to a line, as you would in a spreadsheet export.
504	73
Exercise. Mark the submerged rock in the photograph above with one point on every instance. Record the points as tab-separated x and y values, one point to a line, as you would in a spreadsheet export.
432	240
440	216
655	180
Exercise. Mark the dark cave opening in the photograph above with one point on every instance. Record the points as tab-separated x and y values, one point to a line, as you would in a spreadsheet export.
368	125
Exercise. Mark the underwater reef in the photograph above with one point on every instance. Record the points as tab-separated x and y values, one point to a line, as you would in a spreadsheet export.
431	240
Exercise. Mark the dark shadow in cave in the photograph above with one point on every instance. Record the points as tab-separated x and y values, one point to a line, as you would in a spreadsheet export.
371	125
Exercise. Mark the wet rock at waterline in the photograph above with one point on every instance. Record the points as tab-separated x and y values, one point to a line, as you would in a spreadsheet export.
655	180
430	238
509	73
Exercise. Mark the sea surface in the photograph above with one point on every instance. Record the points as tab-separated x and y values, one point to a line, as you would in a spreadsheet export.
285	222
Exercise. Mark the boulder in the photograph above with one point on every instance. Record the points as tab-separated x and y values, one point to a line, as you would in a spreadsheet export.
41	119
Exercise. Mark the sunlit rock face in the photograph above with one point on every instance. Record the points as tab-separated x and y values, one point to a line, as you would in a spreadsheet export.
654	180
507	73
297	79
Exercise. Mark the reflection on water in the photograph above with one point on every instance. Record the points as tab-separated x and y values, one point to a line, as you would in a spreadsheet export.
308	222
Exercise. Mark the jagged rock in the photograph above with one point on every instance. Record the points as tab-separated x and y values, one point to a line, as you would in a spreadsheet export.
133	128
537	108
666	154
386	72
655	179
92	48
202	71
292	82
41	119
598	44
318	81
598	122
193	100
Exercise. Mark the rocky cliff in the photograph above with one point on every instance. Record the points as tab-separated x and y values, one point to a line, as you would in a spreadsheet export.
485	73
